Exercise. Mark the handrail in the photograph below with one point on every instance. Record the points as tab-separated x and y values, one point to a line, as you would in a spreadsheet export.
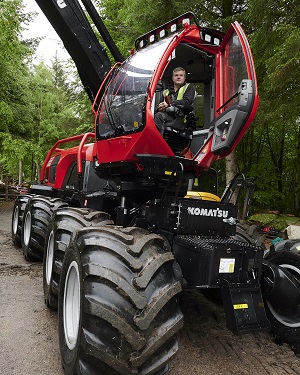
79	152
54	148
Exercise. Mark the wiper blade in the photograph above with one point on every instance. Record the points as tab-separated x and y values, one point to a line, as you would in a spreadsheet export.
228	101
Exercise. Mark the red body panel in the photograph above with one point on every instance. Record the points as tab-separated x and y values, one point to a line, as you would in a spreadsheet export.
67	157
123	148
251	75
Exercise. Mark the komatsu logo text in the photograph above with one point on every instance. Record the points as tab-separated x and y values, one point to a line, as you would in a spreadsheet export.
217	212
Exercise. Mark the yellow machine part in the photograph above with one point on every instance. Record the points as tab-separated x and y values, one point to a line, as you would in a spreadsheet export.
203	195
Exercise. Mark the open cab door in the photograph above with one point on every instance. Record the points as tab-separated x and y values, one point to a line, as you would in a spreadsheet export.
236	98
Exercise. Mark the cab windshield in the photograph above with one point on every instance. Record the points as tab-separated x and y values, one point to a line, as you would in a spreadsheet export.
123	105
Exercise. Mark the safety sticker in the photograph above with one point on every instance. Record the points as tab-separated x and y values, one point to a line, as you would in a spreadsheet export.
240	306
226	265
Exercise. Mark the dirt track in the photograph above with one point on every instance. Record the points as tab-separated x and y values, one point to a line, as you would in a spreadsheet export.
29	342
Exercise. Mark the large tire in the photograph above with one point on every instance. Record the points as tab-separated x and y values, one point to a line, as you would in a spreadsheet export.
249	233
37	215
285	328
118	303
63	224
17	218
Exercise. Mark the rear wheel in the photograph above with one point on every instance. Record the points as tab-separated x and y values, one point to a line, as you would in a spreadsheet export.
37	215
64	223
118	303
249	233
17	218
285	322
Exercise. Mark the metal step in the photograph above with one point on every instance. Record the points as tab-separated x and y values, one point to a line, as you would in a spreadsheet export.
244	307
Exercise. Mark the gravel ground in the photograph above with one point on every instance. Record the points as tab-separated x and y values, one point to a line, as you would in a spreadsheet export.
29	341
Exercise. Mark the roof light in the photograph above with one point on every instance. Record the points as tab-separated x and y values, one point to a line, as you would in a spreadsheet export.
176	25
152	38
173	28
217	41
162	33
142	43
186	21
207	38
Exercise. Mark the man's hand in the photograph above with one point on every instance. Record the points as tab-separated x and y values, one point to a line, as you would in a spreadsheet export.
162	106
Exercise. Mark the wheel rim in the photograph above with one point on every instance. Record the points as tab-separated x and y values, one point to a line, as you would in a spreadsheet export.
71	306
27	228
293	322
49	257
15	220
292	269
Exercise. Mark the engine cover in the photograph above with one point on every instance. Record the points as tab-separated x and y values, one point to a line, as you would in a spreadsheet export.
193	216
207	261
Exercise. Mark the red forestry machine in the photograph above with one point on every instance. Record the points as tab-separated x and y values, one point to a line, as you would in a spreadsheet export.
122	223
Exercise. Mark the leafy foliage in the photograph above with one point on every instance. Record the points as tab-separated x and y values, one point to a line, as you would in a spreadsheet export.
274	41
14	83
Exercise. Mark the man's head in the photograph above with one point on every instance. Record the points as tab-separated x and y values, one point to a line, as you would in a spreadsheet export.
178	76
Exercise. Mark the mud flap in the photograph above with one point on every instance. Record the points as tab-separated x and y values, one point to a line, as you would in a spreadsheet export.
244	307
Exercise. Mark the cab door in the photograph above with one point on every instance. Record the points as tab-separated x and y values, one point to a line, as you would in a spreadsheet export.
236	98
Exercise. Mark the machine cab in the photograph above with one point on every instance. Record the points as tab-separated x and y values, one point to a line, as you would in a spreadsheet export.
220	67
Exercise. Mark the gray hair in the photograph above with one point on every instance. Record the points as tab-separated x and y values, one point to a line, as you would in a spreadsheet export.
179	68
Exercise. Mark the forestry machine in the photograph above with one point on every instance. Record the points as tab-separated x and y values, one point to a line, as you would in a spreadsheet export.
122	220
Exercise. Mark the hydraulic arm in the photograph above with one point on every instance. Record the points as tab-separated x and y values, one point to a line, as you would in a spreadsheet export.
71	24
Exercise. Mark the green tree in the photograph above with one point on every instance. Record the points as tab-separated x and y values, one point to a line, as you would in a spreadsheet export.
275	40
13	72
127	19
57	112
14	89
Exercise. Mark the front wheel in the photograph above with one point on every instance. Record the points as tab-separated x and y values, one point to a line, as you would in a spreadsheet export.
285	316
64	223
118	303
249	233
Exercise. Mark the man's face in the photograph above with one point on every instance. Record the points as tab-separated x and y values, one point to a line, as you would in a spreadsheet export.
179	77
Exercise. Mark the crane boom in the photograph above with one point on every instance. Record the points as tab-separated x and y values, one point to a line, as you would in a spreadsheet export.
71	24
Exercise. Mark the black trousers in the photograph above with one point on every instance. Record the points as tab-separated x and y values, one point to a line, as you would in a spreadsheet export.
163	119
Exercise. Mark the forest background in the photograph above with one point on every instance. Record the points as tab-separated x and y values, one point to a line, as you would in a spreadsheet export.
41	104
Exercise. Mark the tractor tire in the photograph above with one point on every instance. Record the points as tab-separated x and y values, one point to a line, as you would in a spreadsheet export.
17	218
63	224
286	329
37	215
249	233
119	309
